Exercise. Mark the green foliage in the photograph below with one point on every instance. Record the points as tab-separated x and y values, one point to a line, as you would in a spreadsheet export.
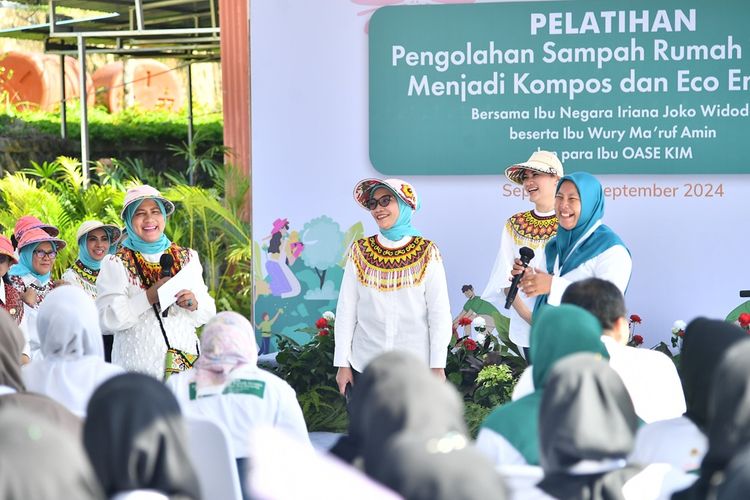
474	414
309	369
494	385
131	126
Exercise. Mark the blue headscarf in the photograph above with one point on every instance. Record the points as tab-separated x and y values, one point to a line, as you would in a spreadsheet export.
134	242
560	248
402	227
25	266
83	251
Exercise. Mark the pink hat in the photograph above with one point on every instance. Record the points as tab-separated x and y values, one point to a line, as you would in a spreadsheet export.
401	188
278	225
6	248
145	192
29	222
36	235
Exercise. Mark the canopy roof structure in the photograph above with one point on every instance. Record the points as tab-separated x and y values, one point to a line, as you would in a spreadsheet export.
186	29
183	29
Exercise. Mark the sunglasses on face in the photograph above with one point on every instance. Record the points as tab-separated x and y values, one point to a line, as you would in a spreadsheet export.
42	254
383	201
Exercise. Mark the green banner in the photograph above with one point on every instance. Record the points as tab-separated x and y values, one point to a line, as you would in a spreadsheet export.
659	86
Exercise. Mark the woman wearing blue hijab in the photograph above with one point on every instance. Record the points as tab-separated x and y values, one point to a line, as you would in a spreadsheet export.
128	301
394	294
583	248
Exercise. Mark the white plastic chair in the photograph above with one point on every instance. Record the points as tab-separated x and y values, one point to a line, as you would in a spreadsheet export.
209	446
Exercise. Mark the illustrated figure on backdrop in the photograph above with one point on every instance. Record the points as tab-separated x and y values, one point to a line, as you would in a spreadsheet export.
583	247
394	294
265	327
475	307
95	240
283	282
128	283
533	229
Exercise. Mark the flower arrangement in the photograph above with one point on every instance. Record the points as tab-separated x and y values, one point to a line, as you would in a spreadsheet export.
744	321
678	333
634	340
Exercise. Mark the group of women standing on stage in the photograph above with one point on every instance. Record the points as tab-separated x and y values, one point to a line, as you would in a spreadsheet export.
122	274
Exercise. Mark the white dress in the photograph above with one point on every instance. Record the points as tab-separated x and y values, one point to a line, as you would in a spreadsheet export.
124	310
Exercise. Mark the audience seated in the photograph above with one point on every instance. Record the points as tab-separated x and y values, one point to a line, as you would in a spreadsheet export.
586	430
650	377
412	436
681	441
13	392
39	461
509	435
135	438
728	424
71	343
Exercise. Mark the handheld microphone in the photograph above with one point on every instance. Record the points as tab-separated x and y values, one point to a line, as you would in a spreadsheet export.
526	255
166	261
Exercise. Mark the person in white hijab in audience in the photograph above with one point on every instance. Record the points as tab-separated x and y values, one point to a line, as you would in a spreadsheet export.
71	342
227	387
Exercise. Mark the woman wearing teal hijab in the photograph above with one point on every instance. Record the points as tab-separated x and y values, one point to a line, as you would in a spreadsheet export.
128	285
394	294
583	248
509	435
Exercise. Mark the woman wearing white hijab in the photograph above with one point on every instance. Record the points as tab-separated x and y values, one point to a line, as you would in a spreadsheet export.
71	342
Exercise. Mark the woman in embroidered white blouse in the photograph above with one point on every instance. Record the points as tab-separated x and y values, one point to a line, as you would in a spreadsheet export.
394	294
128	283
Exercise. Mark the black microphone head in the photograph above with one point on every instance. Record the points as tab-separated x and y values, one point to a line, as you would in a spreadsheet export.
166	261
526	254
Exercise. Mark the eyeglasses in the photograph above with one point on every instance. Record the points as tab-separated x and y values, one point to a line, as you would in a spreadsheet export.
383	201
42	254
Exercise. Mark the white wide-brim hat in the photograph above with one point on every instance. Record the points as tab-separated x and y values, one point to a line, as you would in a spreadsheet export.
145	192
540	161
88	226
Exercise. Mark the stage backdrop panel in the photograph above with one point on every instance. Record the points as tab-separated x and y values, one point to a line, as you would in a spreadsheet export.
313	90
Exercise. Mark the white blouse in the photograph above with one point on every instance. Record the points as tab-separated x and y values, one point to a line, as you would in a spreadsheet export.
72	277
124	310
416	319
614	264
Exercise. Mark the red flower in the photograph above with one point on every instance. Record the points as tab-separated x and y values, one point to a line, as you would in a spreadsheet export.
323	333
637	339
634	318
321	323
744	320
464	321
470	345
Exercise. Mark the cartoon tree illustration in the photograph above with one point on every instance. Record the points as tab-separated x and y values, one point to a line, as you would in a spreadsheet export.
324	244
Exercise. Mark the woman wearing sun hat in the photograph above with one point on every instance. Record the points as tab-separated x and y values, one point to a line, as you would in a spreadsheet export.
27	222
95	240
128	282
533	229
393	294
32	275
10	298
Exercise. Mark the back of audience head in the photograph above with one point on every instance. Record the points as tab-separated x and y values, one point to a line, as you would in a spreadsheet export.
413	434
605	301
68	324
587	423
136	439
705	344
40	460
227	343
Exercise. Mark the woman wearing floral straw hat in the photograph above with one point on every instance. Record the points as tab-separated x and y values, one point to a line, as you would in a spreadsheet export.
393	294
32	275
533	229
95	240
128	283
